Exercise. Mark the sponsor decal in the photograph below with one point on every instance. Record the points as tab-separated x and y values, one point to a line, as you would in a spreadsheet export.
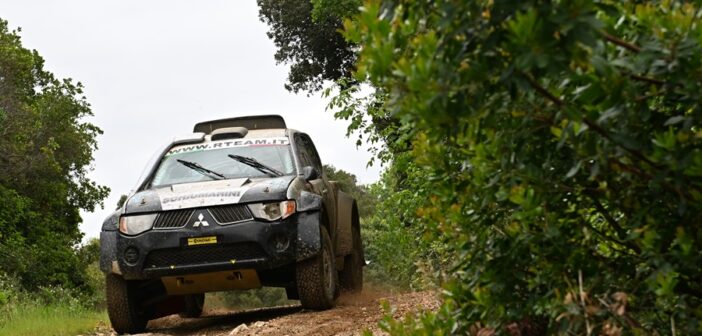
181	200
202	240
279	141
212	194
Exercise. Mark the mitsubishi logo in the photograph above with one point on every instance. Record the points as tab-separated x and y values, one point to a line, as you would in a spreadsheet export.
200	221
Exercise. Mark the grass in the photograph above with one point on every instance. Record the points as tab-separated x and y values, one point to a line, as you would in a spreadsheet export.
52	320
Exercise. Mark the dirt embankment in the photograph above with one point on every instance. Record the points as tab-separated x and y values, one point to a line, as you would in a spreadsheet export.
352	315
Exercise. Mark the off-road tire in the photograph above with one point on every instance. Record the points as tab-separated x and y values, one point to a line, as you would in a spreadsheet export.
351	277
123	306
194	303
316	277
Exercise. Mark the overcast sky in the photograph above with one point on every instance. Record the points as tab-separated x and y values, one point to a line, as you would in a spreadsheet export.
152	69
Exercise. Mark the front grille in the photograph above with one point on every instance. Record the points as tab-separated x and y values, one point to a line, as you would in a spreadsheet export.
203	255
231	213
172	219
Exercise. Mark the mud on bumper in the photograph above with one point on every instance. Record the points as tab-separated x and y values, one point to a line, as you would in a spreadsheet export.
253	244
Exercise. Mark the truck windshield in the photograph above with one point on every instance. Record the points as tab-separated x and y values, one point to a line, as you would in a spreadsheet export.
216	157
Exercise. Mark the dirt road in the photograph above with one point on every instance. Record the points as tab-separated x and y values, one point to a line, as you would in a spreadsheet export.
352	315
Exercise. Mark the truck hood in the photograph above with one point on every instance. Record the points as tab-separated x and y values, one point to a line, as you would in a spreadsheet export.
209	193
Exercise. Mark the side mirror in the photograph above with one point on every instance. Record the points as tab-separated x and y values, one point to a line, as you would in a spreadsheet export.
310	173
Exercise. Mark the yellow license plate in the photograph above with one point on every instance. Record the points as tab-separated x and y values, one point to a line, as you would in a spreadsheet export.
202	240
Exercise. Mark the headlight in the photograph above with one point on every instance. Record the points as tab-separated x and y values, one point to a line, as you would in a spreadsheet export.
132	225
273	211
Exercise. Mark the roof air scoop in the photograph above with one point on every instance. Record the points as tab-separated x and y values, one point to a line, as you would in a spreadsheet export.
229	133
249	122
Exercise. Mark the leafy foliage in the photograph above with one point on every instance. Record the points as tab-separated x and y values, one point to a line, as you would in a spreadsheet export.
399	255
308	38
46	148
562	141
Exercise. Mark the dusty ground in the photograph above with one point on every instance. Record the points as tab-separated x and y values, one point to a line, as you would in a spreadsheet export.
352	315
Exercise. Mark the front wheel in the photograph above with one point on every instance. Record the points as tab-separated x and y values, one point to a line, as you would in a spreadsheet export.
316	277
123	306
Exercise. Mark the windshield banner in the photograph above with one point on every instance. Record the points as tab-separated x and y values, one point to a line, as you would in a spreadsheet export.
280	141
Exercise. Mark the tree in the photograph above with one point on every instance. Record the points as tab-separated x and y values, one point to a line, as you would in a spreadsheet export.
46	148
563	144
120	202
307	36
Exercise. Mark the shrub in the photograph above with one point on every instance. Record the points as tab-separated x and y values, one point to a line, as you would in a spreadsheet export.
562	141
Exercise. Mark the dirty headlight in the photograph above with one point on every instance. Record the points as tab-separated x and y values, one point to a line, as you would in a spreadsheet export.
273	211
133	225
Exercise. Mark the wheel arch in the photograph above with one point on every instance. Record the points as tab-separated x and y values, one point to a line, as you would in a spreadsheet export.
347	214
356	224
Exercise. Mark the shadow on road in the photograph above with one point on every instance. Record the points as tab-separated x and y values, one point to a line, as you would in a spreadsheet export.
217	321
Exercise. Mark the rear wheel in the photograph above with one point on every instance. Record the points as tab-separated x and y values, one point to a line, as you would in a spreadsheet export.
316	277
123	306
351	278
194	303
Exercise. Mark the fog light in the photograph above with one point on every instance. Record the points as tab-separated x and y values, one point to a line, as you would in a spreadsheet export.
131	255
280	242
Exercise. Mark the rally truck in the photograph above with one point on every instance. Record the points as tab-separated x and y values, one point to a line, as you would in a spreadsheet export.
239	204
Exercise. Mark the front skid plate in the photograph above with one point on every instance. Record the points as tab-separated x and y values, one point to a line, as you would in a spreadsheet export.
211	282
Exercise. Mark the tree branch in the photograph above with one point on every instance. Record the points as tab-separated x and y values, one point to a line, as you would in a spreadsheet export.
621	233
610	239
601	131
594	126
646	79
619	42
541	90
637	154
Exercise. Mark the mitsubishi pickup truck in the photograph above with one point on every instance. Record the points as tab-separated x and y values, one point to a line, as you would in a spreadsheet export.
239	204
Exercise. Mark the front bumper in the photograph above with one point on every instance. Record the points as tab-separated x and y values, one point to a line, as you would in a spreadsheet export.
248	245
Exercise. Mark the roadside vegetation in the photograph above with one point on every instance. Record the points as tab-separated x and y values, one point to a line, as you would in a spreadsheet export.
54	309
545	157
47	311
49	283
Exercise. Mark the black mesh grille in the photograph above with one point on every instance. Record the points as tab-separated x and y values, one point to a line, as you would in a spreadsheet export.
203	255
231	213
172	219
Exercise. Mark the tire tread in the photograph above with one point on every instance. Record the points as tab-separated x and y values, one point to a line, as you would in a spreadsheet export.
123	306
310	278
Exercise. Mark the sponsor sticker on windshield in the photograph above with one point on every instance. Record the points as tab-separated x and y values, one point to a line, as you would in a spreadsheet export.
278	141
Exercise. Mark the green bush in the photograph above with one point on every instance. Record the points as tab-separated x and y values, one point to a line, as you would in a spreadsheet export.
15	300
46	311
563	147
399	255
